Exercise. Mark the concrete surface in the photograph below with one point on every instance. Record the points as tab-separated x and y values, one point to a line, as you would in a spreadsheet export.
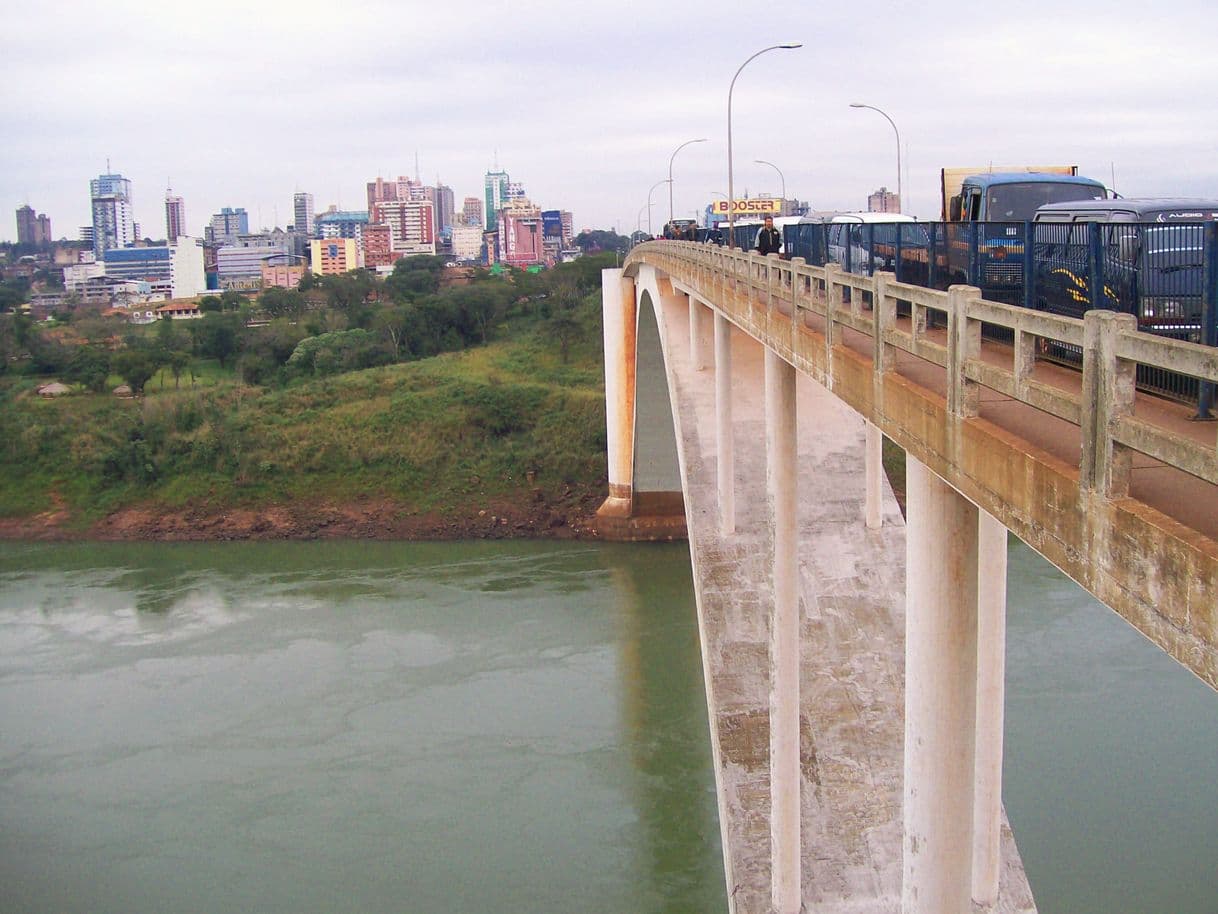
852	621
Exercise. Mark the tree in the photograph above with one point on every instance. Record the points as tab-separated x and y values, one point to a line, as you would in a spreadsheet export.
280	302
392	322
210	303
179	360
14	292
482	307
231	300
135	366
90	366
216	337
415	276
564	329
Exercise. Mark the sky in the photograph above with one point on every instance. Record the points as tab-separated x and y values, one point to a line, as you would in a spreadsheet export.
243	104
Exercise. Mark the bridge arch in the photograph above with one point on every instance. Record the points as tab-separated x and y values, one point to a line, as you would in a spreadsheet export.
645	471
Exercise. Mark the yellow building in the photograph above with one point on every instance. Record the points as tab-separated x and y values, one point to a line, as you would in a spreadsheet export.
333	256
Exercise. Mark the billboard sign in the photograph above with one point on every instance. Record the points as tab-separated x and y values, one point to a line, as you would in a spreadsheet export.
551	223
764	206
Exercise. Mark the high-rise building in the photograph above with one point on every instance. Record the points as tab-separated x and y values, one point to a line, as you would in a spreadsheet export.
378	246
521	234
302	207
113	222
472	211
496	197
412	223
175	217
32	228
227	225
883	201
444	208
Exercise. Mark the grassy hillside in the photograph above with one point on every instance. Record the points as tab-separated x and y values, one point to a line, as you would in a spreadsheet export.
510	419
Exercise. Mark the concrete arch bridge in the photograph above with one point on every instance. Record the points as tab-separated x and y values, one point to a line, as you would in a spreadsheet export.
853	657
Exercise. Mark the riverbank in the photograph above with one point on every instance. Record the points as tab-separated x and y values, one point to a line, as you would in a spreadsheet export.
531	515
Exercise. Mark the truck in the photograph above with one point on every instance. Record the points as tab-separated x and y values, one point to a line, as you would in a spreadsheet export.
986	212
1011	193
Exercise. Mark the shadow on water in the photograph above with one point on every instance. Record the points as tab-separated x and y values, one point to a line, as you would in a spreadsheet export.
660	660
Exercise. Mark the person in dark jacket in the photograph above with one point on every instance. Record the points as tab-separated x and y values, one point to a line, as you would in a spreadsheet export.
769	241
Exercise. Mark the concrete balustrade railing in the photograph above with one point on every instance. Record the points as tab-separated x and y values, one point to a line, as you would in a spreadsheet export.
1141	557
797	287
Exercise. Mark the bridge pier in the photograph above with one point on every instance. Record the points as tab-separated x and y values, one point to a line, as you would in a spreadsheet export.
724	456
781	473
940	694
991	697
697	313
955	644
873	477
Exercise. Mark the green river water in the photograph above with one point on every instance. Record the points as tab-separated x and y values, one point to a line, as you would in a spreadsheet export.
372	727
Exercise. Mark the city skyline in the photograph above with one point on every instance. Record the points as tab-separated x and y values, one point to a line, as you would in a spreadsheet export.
587	118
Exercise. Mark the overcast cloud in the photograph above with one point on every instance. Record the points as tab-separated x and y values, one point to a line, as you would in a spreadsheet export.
243	104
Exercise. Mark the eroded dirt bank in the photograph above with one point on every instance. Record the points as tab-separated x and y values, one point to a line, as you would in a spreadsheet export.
527	514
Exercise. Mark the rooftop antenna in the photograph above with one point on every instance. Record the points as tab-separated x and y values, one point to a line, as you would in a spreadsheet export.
417	178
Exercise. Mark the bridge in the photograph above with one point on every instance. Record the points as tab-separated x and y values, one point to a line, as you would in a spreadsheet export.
854	657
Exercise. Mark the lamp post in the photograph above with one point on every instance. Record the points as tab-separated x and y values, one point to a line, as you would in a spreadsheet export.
898	135
731	219
670	158
781	179
649	193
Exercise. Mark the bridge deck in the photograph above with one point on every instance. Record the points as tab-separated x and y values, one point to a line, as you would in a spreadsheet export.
852	667
1189	500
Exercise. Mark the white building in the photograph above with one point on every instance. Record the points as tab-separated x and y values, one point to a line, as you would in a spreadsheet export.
174	271
467	242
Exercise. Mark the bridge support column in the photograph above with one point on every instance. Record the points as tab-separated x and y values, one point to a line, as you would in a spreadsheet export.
940	694
991	694
697	315
725	457
781	472
874	478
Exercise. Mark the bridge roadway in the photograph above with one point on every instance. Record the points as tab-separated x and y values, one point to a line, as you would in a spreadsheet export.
851	594
823	635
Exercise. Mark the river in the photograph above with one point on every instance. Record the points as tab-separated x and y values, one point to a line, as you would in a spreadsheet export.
341	726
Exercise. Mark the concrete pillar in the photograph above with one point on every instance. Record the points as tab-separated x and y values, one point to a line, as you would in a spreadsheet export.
697	358
781	467
874	478
619	311
940	694
725	457
991	691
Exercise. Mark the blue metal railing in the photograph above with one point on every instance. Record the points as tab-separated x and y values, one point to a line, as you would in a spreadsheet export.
1165	275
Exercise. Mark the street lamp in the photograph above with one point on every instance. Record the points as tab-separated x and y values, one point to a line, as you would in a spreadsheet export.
781	179
898	135
670	158
649	193
731	220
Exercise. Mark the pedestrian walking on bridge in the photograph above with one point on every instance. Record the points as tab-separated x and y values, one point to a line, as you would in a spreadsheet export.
769	241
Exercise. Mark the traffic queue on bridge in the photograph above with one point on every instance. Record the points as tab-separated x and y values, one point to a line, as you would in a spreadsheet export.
1041	237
